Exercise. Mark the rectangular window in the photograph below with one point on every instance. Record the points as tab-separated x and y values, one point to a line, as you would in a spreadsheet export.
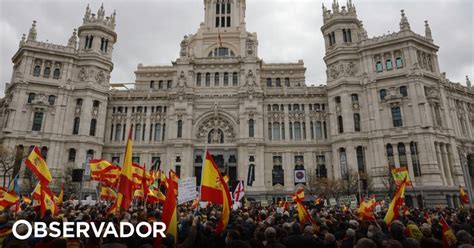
37	121
397	117
228	21
321	170
136	159
360	159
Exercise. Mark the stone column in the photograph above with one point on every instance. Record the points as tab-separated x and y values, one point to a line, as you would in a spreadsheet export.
444	157
440	163
410	163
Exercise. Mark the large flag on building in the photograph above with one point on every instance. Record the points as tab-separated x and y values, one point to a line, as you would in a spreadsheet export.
7	198
36	163
401	174
397	202
449	239
238	195
215	190
47	201
463	195
170	211
125	188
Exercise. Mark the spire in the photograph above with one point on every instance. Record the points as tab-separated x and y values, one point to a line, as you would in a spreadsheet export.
87	15
73	40
32	33
428	31
404	25
468	82
22	41
363	31
101	12
325	12
112	17
335	6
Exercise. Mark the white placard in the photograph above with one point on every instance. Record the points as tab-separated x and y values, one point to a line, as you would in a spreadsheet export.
187	190
300	176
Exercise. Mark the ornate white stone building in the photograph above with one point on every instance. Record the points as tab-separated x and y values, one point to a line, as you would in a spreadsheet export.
385	104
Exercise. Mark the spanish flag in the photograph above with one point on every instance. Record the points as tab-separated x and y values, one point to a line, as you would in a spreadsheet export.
36	194
107	194
397	202
125	188
401	174
215	190
47	201
463	195
7	198
170	212
303	214
449	239
26	200
36	163
60	196
102	169
366	209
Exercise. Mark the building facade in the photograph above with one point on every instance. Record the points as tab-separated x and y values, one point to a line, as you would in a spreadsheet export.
385	104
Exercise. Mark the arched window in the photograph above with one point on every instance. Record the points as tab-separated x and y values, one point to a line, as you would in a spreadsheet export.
399	62
118	131
296	107
278	175
355	97
235	79
51	99
297	130
56	73
44	152
37	71
287	82
75	128
157	132
402	155
208	79
319	133
403	91
47	72
180	129
337	99
90	41
278	82
152	84
251	128
343	163
397	117
72	155
389	64
37	121
89	155
221	52
226	79
161	84
198	79
276	131
216	79
93	127
269	82
138	131
86	44
340	124
357	122
276	107
31	97
383	94
79	102
378	66
390	158
414	159
95	103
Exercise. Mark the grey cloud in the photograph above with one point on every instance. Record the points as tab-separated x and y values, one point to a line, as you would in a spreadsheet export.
149	32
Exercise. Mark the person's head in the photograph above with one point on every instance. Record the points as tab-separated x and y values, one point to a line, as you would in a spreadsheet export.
270	234
308	231
232	235
366	243
354	224
464	237
350	233
329	239
396	230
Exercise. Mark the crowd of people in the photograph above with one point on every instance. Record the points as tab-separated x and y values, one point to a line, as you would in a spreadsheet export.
257	227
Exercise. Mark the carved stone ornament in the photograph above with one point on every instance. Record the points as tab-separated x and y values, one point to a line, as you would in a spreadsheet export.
216	127
83	75
100	77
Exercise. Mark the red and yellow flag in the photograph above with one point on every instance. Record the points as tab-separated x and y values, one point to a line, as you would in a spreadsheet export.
449	239
401	174
215	190
170	212
125	188
26	200
107	194
463	195
7	198
47	201
60	196
303	214
366	209
36	163
397	202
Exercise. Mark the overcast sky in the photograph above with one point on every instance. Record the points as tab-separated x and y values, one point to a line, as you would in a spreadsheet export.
150	31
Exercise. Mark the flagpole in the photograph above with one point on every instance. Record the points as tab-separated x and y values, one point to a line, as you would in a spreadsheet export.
421	181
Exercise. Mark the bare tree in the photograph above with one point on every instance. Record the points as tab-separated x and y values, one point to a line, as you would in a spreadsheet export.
388	183
7	163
